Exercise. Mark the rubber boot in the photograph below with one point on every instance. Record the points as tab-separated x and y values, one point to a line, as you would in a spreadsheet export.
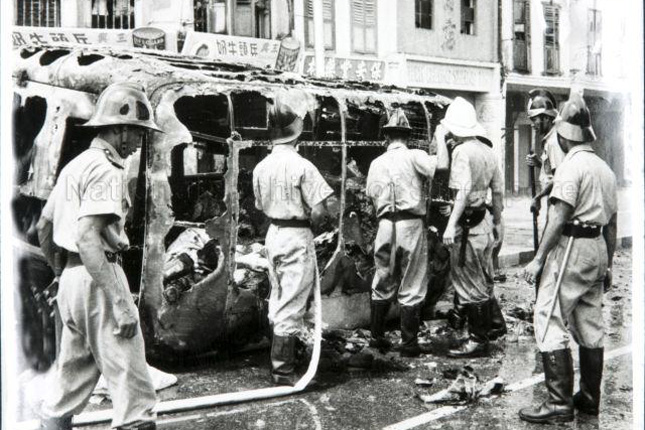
558	378
56	423
587	400
478	328
457	315
283	360
497	322
409	331
379	310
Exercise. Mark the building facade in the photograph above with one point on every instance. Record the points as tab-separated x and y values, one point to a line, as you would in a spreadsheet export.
564	45
489	52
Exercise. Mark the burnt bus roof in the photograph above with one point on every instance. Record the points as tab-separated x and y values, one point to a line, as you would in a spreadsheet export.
91	69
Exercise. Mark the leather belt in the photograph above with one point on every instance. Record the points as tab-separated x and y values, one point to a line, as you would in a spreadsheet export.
401	216
291	223
74	259
582	231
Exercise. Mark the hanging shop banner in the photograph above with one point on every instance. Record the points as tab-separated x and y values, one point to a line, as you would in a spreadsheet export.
288	56
232	49
351	69
77	36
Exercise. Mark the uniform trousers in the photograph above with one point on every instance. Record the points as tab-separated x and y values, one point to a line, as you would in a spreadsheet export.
292	261
579	300
89	348
411	250
473	282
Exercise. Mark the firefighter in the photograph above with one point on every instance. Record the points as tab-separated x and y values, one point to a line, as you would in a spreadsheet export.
582	218
469	232
292	193
395	183
101	332
542	112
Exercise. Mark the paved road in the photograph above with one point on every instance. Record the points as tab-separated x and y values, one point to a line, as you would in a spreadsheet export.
365	400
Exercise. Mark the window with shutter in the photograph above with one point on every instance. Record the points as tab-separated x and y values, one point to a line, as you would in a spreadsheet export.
328	23
594	43
117	14
521	23
468	17
552	39
37	13
423	14
364	26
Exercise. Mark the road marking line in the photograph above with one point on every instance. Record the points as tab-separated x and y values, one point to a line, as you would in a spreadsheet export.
445	411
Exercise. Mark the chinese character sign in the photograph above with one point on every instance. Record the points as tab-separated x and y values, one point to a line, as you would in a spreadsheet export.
347	69
232	49
77	36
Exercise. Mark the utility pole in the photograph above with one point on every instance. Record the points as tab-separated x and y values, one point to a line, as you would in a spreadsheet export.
319	38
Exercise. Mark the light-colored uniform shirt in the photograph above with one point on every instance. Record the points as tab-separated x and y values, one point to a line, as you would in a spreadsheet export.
408	169
552	157
287	185
474	166
93	183
586	182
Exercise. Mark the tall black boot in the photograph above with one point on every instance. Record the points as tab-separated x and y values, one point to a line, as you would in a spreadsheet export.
457	316
283	360
409	330
379	310
497	322
56	423
478	327
587	400
558	377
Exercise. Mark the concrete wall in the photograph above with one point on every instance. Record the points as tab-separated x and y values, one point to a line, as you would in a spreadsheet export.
445	40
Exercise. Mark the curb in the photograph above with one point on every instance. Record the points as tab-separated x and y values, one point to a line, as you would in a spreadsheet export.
524	256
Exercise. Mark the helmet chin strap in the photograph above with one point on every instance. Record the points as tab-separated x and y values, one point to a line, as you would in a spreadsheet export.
123	142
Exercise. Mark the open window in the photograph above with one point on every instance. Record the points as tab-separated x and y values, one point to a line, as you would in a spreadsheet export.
198	187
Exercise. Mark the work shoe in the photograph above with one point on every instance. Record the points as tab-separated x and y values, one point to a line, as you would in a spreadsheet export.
587	400
558	378
409	331
64	423
479	321
379	310
497	322
283	362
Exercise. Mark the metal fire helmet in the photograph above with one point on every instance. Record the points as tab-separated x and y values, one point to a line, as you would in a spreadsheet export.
284	123
574	121
398	121
123	103
541	102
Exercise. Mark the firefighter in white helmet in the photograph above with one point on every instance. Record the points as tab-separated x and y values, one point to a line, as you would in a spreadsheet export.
471	233
84	213
582	219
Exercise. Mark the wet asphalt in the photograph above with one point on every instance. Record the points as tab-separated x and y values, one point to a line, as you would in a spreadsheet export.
359	399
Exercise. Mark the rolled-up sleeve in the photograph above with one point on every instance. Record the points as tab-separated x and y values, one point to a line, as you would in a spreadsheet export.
425	164
313	186
103	193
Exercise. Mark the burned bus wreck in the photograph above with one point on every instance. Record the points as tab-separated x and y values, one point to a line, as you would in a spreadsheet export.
196	264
